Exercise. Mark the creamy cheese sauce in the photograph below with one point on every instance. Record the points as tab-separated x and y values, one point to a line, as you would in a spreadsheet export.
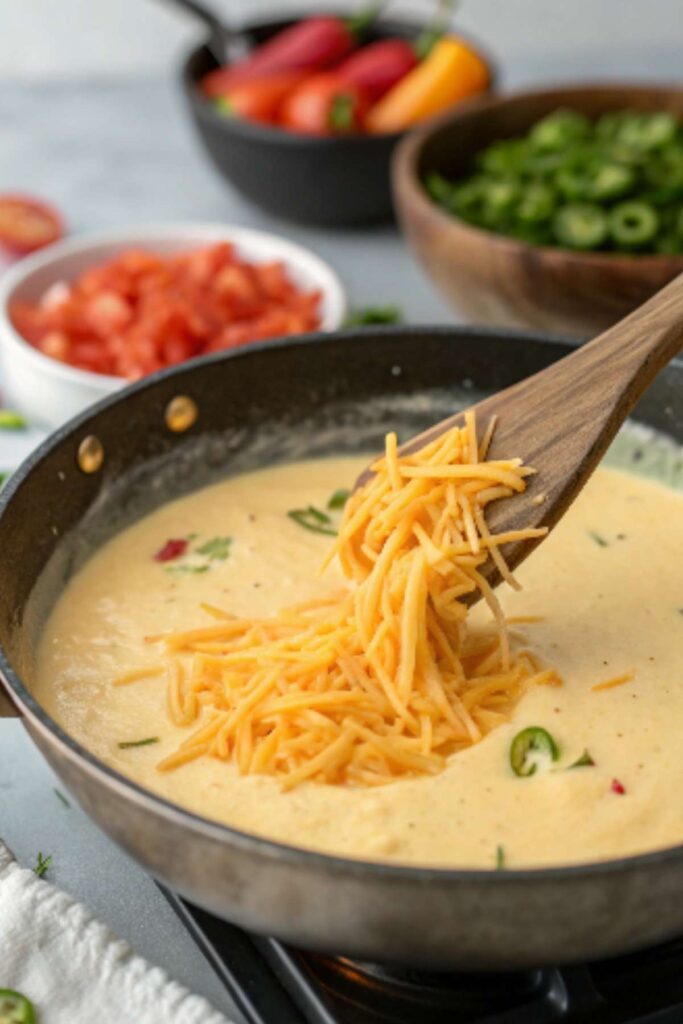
607	583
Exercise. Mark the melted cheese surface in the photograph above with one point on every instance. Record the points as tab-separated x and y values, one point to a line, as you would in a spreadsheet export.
607	584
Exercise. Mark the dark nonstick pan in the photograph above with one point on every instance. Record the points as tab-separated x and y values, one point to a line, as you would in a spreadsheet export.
262	403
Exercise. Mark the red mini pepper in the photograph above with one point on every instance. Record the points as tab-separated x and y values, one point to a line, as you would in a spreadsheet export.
325	104
309	45
378	67
260	99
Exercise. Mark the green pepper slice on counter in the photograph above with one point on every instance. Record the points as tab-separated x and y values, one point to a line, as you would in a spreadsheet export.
580	226
532	740
633	224
15	1008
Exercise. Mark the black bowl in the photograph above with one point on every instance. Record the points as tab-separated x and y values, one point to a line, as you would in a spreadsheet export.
306	179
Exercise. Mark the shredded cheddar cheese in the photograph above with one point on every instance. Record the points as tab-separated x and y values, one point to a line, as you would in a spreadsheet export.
609	684
387	678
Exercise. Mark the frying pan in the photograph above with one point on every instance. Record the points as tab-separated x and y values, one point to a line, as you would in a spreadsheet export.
297	398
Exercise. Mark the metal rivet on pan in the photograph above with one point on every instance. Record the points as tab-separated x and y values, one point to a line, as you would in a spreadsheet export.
90	454
181	413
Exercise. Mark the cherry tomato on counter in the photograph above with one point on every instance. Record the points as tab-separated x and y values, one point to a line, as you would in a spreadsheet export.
27	224
325	104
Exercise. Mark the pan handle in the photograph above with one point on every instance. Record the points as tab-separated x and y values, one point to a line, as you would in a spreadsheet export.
7	708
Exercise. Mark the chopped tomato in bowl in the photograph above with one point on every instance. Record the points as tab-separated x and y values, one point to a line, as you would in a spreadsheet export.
88	315
140	312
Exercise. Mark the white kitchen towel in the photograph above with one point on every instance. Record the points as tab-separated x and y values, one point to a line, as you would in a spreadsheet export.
73	969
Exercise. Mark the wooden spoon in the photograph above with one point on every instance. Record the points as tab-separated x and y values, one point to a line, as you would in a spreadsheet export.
562	420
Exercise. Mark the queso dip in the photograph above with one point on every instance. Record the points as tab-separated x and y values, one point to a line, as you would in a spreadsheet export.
605	591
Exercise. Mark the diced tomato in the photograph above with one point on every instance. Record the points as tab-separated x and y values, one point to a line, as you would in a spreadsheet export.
27	224
140	312
173	548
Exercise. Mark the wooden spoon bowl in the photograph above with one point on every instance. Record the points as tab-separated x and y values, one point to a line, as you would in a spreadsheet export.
491	279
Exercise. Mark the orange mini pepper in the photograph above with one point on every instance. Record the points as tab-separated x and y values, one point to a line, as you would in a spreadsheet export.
451	72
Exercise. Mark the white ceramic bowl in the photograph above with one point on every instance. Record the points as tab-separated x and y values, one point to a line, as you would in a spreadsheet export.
49	392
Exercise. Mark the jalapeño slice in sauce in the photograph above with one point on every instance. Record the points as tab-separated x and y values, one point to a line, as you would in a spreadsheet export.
528	747
15	1008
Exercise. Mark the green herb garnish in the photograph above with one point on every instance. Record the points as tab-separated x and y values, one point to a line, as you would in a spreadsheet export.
585	761
598	539
43	864
216	549
60	796
186	568
500	858
138	743
531	741
10	420
313	519
368	315
339	499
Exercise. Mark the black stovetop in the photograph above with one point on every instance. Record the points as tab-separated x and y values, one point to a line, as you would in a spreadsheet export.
273	984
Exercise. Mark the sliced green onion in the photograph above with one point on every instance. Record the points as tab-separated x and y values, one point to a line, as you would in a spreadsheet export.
339	499
43	864
129	744
598	539
585	761
10	420
531	741
500	858
60	796
313	519
218	548
369	315
186	568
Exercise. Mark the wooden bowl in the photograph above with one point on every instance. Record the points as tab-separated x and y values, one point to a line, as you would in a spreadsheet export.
492	279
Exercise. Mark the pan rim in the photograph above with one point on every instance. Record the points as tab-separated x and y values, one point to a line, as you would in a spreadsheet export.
295	856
